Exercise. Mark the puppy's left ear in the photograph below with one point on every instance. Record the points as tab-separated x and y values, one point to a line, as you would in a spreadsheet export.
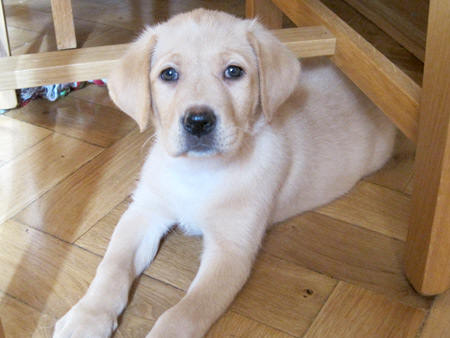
278	69
129	81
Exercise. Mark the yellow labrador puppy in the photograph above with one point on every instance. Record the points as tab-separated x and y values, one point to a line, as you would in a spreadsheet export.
244	140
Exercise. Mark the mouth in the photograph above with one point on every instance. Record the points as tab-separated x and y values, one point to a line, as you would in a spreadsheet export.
195	153
218	143
200	146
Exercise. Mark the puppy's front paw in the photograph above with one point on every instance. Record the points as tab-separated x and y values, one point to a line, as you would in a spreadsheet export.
85	322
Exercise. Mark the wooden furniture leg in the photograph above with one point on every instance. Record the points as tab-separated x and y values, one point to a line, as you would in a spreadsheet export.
8	98
266	11
428	244
63	22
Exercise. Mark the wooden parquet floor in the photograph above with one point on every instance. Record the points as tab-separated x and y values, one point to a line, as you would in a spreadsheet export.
66	173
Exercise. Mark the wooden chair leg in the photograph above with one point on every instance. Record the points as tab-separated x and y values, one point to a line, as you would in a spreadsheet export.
266	11
63	22
428	243
8	98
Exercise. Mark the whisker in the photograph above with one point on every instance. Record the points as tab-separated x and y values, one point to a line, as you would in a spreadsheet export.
150	138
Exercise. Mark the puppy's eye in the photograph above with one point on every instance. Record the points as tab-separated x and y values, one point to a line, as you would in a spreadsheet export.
233	72
169	74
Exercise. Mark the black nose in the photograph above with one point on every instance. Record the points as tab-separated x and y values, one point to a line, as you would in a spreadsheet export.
199	121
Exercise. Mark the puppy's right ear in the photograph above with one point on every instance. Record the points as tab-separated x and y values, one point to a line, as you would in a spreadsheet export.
129	81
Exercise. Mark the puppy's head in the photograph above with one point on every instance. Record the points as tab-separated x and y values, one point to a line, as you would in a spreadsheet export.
203	78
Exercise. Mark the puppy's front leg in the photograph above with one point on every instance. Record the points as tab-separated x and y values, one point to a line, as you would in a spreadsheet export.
133	245
226	263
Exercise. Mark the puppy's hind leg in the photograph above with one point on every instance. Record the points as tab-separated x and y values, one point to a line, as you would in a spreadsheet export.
133	245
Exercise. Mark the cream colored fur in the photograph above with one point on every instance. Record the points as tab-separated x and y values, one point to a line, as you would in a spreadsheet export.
288	141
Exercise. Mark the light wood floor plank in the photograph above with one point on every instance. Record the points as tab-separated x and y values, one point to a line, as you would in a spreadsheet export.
97	238
147	303
93	123
94	94
21	320
106	35
35	15
438	322
28	41
139	13
38	269
39	168
20	16
40	5
178	260
353	312
28	16
283	295
372	207
396	174
17	136
82	199
345	252
89	34
237	326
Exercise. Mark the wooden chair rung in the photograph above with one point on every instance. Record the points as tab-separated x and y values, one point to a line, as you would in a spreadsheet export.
83	64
